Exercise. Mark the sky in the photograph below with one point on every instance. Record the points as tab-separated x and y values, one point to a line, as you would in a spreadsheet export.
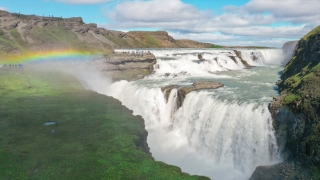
231	23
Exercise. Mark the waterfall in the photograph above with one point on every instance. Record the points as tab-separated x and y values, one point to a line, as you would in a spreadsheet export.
186	61
264	57
223	133
206	135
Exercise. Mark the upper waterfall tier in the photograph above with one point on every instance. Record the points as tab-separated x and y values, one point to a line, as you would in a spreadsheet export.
174	62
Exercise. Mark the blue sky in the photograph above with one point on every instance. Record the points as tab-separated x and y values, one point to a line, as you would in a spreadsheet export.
232	22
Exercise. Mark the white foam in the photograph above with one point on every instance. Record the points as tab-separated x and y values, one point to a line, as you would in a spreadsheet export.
205	136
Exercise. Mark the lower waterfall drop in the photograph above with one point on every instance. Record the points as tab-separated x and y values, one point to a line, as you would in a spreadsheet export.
222	133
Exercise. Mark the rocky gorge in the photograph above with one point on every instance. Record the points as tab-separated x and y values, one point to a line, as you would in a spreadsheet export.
296	114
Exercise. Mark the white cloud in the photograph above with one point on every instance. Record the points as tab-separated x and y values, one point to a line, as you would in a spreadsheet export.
294	11
242	19
232	40
156	11
3	8
265	31
258	21
203	37
284	8
83	1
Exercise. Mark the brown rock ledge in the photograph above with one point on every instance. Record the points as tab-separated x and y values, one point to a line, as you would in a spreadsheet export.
183	91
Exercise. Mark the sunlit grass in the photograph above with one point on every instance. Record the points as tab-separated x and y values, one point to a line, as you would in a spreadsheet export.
94	136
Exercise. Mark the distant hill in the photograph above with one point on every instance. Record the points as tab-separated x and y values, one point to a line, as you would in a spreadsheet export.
22	33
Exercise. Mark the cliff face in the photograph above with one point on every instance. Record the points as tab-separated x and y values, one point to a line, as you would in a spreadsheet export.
300	87
21	33
296	112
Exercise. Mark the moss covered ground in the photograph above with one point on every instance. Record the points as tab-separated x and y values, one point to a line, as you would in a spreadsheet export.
91	136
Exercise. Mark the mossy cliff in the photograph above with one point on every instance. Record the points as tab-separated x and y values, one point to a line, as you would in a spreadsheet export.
296	113
51	128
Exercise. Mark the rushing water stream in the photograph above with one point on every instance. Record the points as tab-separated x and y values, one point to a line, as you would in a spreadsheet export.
223	133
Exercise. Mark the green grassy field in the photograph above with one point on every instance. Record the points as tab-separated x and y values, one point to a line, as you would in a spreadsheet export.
94	136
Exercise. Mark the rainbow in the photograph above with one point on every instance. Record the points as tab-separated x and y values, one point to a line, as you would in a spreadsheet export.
67	54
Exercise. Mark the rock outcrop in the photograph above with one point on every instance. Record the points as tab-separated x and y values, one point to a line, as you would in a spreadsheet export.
281	171
296	112
183	91
126	66
244	62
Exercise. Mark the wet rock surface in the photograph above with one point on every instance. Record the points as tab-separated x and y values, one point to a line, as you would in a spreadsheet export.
183	91
244	62
282	171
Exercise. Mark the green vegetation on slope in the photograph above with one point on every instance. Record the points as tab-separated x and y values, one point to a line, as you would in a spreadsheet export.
301	75
216	46
56	35
59	38
314	32
94	136
11	44
151	41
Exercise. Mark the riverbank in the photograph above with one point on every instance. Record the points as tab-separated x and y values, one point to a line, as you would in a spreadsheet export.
51	128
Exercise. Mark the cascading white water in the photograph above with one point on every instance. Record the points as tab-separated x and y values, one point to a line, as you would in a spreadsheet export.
264	57
181	61
223	133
